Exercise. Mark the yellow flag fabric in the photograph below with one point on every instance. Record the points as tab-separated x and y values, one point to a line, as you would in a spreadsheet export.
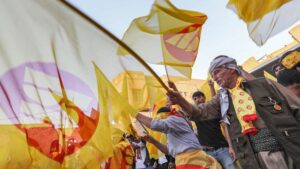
266	18
134	87
291	60
295	32
168	36
256	9
58	107
196	159
269	76
113	103
206	90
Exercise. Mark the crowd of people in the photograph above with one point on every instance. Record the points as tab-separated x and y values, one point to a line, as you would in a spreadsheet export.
250	123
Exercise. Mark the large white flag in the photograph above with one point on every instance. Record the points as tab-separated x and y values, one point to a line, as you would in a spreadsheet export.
57	103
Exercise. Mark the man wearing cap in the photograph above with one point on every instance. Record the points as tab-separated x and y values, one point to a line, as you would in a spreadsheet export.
290	78
264	116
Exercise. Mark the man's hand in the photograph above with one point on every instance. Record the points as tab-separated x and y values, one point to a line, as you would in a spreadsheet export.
210	83
172	85
174	96
232	153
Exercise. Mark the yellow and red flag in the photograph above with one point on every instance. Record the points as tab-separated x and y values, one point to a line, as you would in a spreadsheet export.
58	106
167	36
266	18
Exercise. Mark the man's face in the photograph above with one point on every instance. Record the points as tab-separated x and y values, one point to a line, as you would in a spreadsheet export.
295	88
277	69
199	99
224	77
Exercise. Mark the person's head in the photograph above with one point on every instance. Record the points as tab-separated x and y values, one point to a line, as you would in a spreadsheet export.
129	137
291	59
163	112
277	68
198	97
224	71
290	78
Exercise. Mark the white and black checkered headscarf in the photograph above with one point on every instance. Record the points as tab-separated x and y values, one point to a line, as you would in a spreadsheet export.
223	61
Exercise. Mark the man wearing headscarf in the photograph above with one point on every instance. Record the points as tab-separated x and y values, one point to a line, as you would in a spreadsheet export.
290	78
263	115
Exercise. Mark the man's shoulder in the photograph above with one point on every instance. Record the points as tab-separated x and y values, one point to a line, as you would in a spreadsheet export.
262	81
259	79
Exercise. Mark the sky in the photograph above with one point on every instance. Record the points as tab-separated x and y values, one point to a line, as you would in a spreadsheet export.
223	33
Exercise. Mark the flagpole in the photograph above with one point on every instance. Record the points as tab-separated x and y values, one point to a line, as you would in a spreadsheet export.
122	44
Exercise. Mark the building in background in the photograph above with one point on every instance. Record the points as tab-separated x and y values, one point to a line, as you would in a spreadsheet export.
265	63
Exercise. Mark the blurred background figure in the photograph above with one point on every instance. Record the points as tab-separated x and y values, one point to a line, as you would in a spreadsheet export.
290	78
277	68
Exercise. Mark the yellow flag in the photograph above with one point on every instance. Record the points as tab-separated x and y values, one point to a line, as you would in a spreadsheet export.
295	32
133	86
57	108
168	36
113	104
266	18
269	76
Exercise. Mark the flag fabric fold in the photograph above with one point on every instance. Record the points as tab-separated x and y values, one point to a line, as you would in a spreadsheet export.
167	36
266	18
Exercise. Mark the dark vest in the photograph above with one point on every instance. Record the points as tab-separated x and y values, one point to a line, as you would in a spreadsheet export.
282	123
210	133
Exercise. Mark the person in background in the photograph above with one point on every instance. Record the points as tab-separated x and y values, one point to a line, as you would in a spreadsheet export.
142	160
290	78
182	143
123	155
171	162
277	68
210	135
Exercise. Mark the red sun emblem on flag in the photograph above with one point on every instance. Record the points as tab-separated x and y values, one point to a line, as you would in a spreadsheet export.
27	97
183	45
